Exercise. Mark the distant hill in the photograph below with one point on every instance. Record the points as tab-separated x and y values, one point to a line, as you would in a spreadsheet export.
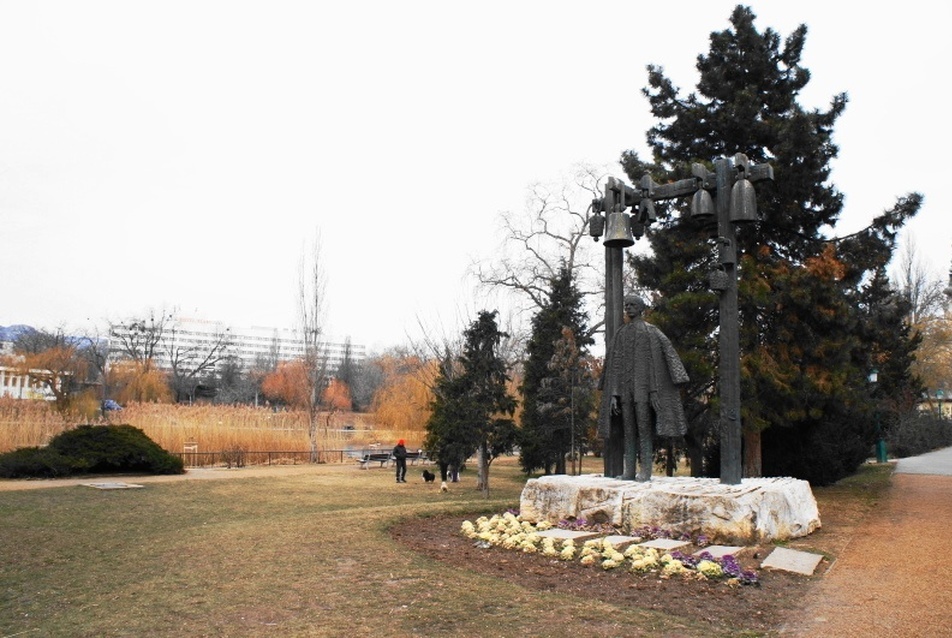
12	333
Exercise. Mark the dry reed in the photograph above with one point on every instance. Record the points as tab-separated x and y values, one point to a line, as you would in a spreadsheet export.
29	423
209	428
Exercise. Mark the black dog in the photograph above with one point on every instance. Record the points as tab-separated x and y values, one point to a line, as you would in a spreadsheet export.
429	476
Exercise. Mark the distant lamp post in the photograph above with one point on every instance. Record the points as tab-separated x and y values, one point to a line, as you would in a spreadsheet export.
940	395
880	441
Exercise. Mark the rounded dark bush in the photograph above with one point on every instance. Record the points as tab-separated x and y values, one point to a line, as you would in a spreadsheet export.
92	449
35	462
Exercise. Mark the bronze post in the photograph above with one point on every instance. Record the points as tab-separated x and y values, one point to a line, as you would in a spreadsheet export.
729	332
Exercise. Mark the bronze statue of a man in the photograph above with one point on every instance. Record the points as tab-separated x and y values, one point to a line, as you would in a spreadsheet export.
639	382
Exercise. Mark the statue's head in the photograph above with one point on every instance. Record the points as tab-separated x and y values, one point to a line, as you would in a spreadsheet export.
634	305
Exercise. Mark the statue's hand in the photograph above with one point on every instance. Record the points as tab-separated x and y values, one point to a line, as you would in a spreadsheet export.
616	405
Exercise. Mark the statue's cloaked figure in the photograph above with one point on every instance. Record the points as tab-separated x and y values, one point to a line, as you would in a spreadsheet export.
640	383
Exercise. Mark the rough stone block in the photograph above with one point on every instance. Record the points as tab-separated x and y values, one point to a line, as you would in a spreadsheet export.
754	511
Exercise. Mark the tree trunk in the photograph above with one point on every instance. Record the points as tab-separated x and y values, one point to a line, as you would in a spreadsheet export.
312	430
482	479
753	467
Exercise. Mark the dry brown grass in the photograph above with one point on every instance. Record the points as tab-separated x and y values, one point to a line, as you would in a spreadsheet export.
212	428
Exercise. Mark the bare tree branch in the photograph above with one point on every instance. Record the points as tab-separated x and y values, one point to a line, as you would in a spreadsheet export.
922	289
140	339
551	231
190	359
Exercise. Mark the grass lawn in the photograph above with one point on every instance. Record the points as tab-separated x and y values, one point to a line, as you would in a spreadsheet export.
300	555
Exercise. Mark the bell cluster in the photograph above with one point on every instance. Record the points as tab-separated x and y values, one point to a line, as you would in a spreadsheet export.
621	229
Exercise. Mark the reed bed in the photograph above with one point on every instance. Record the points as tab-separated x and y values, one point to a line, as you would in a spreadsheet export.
207	428
29	423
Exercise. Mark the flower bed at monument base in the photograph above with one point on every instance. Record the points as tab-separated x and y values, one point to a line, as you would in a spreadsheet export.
710	602
510	531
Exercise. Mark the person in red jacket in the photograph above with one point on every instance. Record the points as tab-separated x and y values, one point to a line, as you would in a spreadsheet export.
400	456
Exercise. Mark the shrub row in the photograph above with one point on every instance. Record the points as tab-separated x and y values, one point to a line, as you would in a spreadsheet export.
917	434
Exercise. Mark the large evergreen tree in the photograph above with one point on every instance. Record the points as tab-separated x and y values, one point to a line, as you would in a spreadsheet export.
472	410
544	438
809	317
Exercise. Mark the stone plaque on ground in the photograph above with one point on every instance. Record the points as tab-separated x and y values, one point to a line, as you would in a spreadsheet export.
792	560
664	544
112	486
720	551
620	542
562	534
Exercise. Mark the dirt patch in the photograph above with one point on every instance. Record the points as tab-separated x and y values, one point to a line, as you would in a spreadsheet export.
758	608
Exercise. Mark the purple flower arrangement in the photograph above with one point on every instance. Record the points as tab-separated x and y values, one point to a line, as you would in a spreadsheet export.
728	563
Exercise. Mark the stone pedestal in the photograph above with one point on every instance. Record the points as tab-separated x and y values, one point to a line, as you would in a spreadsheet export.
755	511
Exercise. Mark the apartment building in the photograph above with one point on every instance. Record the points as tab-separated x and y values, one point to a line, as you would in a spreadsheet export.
251	346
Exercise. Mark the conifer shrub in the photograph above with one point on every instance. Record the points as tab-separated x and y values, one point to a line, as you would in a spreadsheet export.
35	462
822	453
92	449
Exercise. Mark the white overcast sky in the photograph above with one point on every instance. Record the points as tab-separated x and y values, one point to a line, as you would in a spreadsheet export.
182	155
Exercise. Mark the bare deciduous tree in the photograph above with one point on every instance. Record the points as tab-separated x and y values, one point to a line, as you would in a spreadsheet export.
190	360
926	296
552	231
312	304
140	339
97	350
923	290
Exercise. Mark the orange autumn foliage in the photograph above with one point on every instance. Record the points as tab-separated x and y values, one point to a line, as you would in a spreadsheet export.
403	401
337	396
139	382
288	384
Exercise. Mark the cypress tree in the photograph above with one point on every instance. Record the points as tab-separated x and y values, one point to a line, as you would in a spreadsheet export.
472	410
543	442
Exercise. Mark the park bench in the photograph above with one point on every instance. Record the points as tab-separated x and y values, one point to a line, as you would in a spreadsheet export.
413	457
374	457
384	458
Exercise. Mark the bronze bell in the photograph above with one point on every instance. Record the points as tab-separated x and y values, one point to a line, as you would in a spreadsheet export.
618	234
646	210
596	226
717	280
637	228
702	205
743	202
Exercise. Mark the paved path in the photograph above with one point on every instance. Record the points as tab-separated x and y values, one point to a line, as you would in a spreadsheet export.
893	579
937	463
